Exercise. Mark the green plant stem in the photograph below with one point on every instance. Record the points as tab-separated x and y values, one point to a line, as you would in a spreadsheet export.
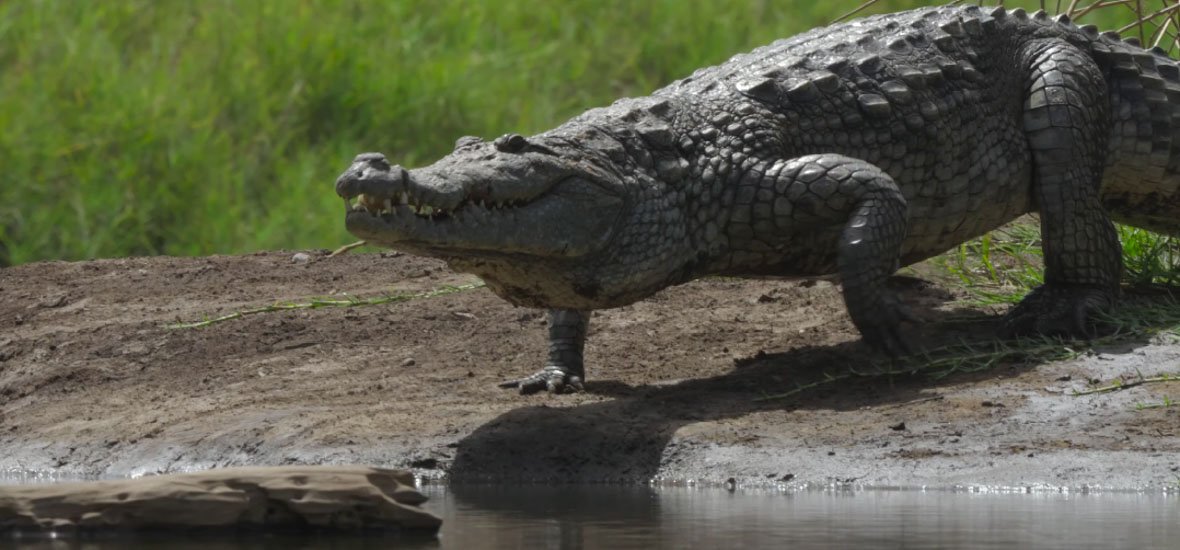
1124	384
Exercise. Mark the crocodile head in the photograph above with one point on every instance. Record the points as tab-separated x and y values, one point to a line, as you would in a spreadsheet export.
547	221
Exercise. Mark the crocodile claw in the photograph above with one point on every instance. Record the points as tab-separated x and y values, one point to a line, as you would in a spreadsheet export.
1057	310
553	378
878	315
884	332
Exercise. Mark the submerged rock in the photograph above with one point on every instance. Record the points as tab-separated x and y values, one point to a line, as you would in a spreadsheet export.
266	498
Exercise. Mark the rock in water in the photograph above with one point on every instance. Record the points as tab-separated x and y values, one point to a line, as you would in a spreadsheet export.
257	498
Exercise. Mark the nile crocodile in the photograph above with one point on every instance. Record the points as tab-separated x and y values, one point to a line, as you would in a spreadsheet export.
849	150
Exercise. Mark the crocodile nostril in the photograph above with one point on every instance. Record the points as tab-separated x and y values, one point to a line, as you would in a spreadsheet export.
466	141
375	160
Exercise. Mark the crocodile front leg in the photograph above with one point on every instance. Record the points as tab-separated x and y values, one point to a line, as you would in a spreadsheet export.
818	192
564	371
1066	120
870	250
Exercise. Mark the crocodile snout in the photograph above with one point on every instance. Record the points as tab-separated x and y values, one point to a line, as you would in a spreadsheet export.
371	174
373	160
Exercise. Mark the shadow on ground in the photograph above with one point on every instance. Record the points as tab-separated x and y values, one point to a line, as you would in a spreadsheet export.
627	438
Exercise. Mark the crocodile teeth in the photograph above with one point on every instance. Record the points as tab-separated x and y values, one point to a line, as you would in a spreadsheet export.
468	213
369	203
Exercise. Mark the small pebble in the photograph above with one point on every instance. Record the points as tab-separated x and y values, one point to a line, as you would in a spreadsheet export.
408	362
300	258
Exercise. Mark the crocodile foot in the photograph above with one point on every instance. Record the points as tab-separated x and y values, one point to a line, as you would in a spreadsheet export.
879	315
883	332
1057	310
553	378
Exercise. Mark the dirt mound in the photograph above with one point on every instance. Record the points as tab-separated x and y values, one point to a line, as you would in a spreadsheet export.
93	383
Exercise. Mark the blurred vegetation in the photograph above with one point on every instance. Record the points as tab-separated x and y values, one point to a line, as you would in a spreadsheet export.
185	127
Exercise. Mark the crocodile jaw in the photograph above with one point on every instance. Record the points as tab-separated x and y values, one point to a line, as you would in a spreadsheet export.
481	212
567	222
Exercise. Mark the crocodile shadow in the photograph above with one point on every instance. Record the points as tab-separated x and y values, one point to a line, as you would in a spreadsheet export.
626	438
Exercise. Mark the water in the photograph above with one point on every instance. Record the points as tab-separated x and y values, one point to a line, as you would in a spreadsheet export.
640	517
611	517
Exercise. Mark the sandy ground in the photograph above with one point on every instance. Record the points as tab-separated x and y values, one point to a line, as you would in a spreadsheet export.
92	383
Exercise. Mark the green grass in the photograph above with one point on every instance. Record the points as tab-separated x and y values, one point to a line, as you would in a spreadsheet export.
1002	266
193	127
133	127
1149	258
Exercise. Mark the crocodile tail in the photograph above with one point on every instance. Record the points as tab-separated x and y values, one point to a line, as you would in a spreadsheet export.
1141	183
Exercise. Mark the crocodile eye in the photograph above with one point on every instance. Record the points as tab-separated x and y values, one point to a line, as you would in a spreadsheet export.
510	143
467	140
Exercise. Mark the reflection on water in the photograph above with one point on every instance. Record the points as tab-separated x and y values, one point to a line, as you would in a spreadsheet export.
489	516
612	517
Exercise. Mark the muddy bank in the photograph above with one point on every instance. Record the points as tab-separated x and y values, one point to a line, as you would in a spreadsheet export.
93	384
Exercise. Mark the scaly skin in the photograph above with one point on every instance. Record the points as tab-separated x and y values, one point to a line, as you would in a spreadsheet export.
847	150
